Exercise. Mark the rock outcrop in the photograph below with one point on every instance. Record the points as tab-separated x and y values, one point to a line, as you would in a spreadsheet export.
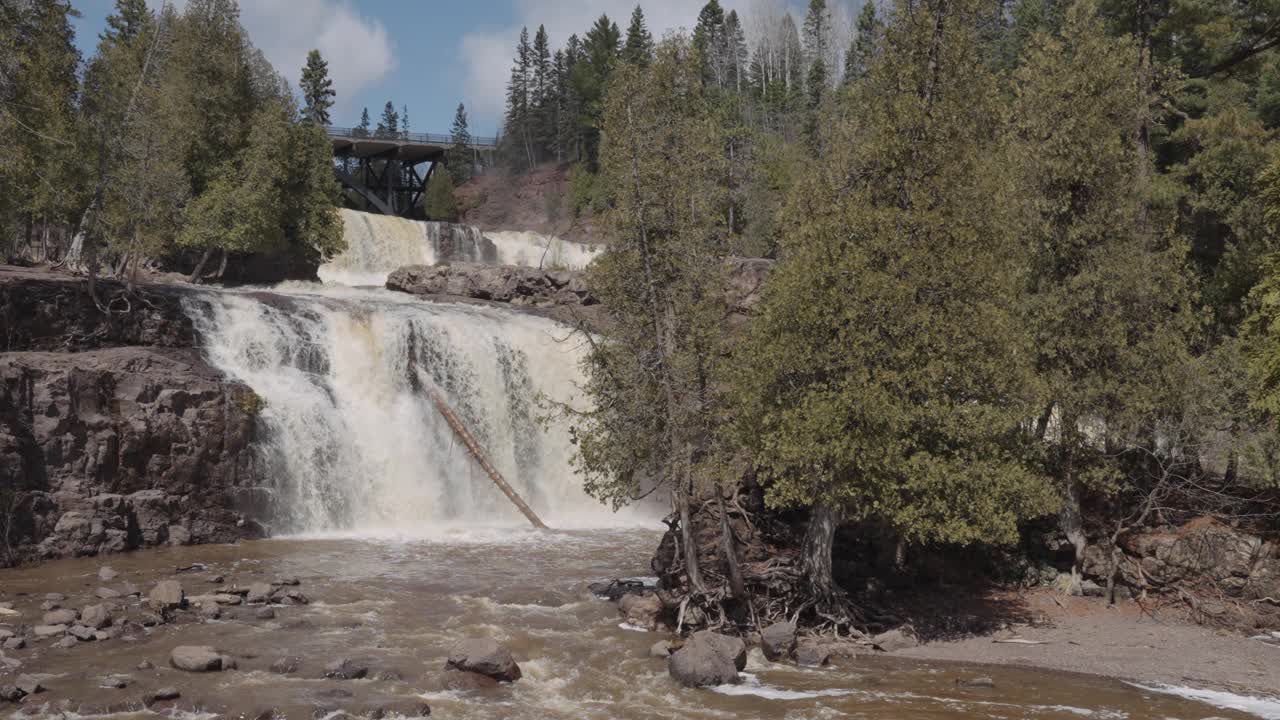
114	432
512	284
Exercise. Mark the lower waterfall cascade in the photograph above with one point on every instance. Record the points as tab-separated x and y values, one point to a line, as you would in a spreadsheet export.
351	439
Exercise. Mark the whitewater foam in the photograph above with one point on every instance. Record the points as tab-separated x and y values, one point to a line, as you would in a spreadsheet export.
1263	707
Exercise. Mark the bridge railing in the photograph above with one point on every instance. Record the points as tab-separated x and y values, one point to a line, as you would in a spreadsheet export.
425	138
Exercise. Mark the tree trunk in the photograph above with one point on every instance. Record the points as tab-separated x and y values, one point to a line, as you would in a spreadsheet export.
737	587
204	259
818	540
687	545
1070	519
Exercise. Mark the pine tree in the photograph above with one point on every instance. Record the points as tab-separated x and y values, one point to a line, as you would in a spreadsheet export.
542	93
404	119
518	132
662	283
735	51
458	161
1109	306
865	41
439	203
389	123
817	32
709	41
898	398
601	49
317	90
638	49
362	130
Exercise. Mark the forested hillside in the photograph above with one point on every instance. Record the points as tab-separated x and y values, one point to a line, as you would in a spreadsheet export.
1025	271
176	140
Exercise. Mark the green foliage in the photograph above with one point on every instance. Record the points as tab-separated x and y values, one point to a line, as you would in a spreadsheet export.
886	373
586	193
661	282
638	49
317	89
458	158
439	202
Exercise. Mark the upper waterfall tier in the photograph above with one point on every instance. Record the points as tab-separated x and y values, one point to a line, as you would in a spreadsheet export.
378	244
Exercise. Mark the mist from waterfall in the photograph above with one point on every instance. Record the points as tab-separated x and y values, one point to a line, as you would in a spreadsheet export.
378	244
353	445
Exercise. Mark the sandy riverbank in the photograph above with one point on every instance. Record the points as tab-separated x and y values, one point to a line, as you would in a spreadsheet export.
1083	635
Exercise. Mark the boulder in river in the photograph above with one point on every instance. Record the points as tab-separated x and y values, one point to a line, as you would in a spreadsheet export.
106	593
707	659
167	595
812	655
641	610
82	633
265	613
11	693
896	639
65	616
346	669
486	657
778	640
399	709
106	574
160	695
44	631
95	616
29	684
196	658
66	643
463	680
660	649
258	593
14	643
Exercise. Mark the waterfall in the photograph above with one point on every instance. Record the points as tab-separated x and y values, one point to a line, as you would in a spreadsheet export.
352	445
378	244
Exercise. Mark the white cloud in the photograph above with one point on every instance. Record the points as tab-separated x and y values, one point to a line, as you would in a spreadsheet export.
358	49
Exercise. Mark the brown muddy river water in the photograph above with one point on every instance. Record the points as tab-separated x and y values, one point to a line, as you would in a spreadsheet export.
398	605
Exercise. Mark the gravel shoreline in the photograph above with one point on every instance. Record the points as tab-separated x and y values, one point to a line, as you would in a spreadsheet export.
1083	635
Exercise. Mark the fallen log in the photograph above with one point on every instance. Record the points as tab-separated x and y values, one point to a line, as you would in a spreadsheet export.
473	446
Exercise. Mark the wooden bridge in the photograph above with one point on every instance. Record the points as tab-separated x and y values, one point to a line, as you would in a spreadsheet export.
388	172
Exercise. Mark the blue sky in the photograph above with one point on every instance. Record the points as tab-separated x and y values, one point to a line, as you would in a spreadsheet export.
427	54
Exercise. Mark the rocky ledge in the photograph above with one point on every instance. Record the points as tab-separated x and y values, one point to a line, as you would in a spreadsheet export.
114	432
560	294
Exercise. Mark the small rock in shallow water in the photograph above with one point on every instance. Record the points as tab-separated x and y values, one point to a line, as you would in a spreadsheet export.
50	605
11	693
486	657
778	640
106	593
333	693
389	676
44	631
706	659
346	669
217	579
60	617
286	665
82	633
289	581
146	665
978	682
812	655
265	613
151	620
106	574
258	593
66	643
15	643
55	597
195	658
29	685
5	633
161	694
463	680
895	639
107	634
96	617
167	595
116	682
660	649
640	610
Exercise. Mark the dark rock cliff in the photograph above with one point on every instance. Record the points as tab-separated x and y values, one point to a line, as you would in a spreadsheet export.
114	432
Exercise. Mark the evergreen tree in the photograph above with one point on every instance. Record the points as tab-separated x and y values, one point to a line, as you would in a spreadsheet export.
601	48
663	287
362	130
897	398
518	131
404	119
709	41
389	123
638	49
439	203
317	90
458	160
735	51
1109	307
817	32
542	93
865	41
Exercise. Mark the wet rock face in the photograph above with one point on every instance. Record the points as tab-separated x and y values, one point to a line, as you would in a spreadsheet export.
120	448
500	283
484	657
778	641
708	659
114	432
